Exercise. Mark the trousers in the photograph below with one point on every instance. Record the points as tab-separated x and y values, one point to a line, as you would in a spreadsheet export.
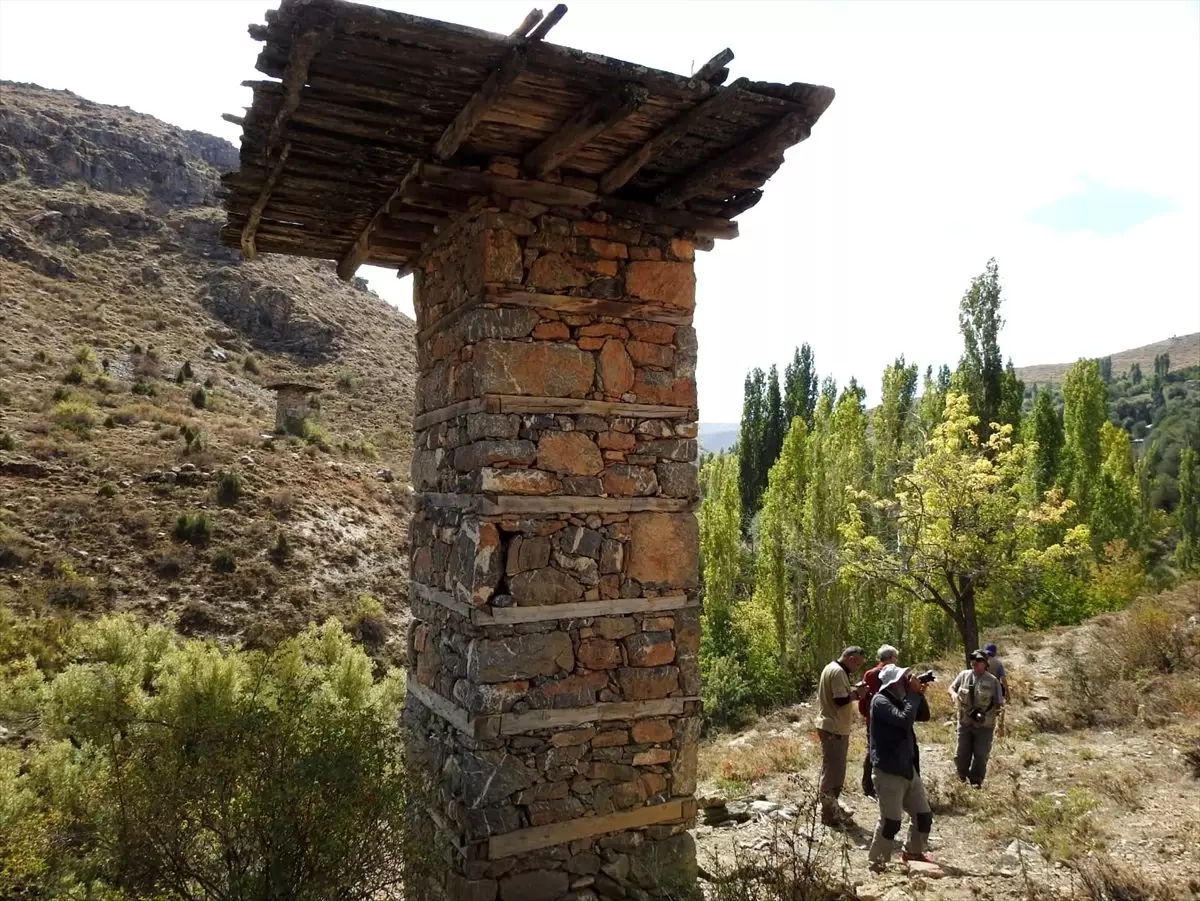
897	796
974	747
834	749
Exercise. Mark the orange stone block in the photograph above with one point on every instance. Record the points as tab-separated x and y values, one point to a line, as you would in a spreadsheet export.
669	283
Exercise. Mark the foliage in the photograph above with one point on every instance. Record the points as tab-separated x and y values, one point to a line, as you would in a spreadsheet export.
199	398
1045	433
230	488
194	528
75	415
1085	410
800	386
7	442
1187	552
177	770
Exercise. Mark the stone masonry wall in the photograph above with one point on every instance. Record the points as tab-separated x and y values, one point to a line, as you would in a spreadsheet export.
554	682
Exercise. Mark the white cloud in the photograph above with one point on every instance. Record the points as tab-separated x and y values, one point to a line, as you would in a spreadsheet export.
952	123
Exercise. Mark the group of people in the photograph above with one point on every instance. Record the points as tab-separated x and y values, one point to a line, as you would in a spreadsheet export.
890	699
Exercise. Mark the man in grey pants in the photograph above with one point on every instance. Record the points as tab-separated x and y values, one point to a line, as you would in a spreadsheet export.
836	722
896	766
979	697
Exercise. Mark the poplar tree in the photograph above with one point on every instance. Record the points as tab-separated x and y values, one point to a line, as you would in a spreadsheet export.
774	427
1085	410
1187	551
981	371
750	444
1046	433
1115	496
800	386
892	425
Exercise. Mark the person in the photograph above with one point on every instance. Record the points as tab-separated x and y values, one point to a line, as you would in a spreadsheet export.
995	666
834	694
979	698
896	766
887	654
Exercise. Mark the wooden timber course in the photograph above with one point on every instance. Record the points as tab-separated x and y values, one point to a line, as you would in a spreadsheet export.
384	130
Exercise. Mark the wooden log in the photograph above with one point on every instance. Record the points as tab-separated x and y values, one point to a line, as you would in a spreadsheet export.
617	309
361	248
233	120
704	226
442	414
603	113
742	202
275	150
538	720
534	838
535	16
508	505
549	22
477	107
769	142
456	716
501	616
516	403
710	69
487	183
619	175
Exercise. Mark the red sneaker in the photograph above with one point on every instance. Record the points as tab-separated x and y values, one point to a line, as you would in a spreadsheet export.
908	856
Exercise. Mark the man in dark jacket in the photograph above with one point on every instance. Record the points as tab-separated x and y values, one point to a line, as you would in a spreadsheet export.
896	766
887	654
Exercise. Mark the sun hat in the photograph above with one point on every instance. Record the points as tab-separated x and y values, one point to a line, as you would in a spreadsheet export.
891	674
978	655
990	649
887	652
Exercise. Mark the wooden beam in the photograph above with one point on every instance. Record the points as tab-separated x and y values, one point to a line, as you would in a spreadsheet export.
497	83
589	609
233	120
537	720
714	66
275	151
509	505
603	113
620	174
534	838
360	250
456	716
703	226
569	406
617	309
487	183
771	141
742	202
535	16
549	22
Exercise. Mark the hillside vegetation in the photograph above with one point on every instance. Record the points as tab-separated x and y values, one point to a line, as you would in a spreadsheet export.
1184	351
138	466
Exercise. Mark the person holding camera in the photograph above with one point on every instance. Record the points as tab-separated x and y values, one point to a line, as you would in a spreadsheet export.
979	697
836	722
896	765
887	655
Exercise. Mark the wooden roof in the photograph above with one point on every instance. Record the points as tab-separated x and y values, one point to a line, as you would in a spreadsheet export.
379	132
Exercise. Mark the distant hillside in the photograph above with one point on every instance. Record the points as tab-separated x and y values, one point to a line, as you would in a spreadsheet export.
134	355
1184	351
718	436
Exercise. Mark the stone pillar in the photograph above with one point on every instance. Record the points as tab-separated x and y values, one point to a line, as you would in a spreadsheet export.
553	685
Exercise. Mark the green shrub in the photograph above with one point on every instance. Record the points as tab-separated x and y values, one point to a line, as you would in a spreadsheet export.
5	397
185	373
224	561
75	375
181	771
84	355
725	692
347	381
1063	825
144	388
75	416
40	356
110	422
368	621
360	447
194	528
250	365
7	442
281	549
61	393
230	488
104	383
108	489
199	398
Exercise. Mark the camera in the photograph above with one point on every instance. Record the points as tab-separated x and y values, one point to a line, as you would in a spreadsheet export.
927	676
977	716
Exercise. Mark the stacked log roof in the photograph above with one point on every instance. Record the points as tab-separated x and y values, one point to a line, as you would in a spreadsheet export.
382	130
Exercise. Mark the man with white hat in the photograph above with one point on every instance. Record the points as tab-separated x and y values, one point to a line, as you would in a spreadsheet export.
895	763
887	654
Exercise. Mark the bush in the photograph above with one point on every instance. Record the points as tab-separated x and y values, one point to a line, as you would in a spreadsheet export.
250	365
173	769
224	561
5	397
75	416
194	528
110	422
185	373
230	488
347	381
84	355
108	489
144	388
725	693
105	384
368	622
281	549
199	398
7	442
75	375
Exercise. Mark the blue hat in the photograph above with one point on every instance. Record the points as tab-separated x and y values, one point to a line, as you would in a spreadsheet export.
990	649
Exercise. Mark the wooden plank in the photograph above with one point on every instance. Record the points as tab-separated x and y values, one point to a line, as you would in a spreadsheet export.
509	505
466	502
703	226
534	16
487	183
549	22
477	107
361	248
523	841
709	71
617	309
589	609
456	716
558	718
605	112
442	599
275	151
461	408
519	403
620	174
771	141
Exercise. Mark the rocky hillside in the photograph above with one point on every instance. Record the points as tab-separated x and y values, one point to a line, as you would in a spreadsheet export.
1184	351
138	465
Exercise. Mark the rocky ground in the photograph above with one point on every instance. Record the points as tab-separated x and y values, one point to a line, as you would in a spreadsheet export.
135	353
1126	793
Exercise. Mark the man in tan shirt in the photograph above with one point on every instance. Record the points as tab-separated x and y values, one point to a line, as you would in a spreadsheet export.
834	695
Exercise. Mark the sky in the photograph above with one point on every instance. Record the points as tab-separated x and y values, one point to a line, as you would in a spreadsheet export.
1062	138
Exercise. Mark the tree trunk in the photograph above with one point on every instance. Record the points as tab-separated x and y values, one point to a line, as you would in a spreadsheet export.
968	626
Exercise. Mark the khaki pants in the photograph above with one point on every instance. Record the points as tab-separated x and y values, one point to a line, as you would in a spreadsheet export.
896	796
974	747
834	749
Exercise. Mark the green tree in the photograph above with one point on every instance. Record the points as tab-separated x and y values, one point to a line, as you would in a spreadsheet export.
1116	500
1085	410
1187	513
892	425
774	428
1046	434
1012	398
751	437
800	386
1135	374
933	399
1105	364
981	371
1162	366
962	524
720	550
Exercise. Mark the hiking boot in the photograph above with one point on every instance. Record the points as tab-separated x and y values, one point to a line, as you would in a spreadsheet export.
878	866
910	857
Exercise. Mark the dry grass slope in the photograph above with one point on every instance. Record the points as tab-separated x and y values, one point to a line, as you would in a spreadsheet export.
1184	351
134	352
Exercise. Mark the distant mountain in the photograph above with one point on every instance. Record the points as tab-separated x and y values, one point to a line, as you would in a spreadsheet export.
1184	351
718	436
